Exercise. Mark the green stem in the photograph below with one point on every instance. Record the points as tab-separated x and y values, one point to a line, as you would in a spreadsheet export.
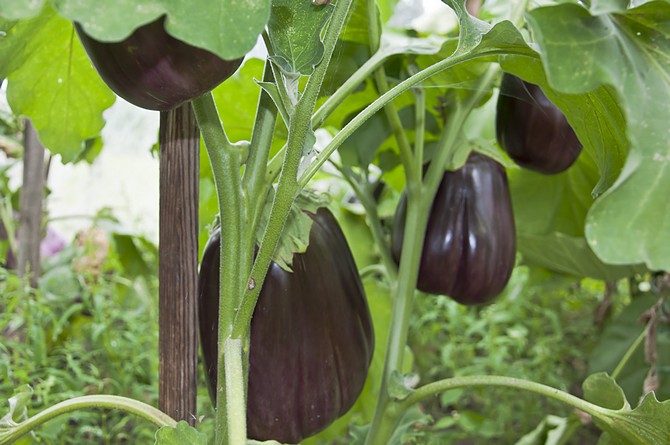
381	101
390	110
419	202
235	400
147	412
372	219
299	128
225	161
419	123
440	386
403	293
256	187
629	353
347	88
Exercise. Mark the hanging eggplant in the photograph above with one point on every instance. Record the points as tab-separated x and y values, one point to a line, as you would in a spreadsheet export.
153	70
532	130
311	338
470	242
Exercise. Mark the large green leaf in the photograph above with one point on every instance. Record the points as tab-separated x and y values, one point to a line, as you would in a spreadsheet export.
630	223
20	9
550	211
229	28
51	80
647	424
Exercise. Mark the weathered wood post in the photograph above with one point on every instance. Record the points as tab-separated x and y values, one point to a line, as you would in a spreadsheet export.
31	206
178	263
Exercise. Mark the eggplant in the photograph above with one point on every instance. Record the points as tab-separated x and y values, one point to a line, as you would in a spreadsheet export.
470	240
532	130
311	338
153	70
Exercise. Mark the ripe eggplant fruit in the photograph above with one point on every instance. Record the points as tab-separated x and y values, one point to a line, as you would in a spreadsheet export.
532	130
153	70
470	241
311	338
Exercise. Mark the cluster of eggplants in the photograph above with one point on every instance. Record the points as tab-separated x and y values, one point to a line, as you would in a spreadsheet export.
532	130
153	70
470	241
311	338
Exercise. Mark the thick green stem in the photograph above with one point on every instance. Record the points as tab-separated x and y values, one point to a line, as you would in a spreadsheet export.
225	161
235	389
147	412
299	129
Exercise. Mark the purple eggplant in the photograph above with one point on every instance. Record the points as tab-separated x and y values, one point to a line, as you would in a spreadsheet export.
532	130
153	70
470	241
311	339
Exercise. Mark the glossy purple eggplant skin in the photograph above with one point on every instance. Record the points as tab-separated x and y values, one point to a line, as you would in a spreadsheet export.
311	336
470	242
153	70
532	130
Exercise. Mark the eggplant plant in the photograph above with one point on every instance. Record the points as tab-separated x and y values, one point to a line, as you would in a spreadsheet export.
285	328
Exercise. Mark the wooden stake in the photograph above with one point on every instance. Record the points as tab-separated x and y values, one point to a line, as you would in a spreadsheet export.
178	263
31	206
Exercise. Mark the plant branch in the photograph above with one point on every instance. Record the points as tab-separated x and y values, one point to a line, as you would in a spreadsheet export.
140	409
372	218
225	161
390	110
255	185
381	101
299	129
440	386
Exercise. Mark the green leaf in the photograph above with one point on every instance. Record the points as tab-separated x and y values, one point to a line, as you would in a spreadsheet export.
616	339
607	6
602	390
181	434
18	408
295	34
360	148
632	51
51	80
570	255
595	116
295	234
20	9
401	386
550	431
648	424
550	211
229	28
